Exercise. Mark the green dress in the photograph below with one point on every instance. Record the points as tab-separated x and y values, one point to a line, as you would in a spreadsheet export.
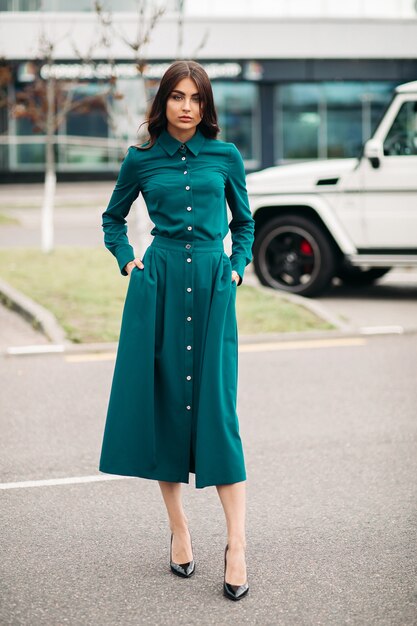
172	406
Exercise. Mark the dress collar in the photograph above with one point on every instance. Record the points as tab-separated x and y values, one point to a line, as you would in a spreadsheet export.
171	145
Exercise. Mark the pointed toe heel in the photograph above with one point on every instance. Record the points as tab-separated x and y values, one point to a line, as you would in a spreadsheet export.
233	592
185	570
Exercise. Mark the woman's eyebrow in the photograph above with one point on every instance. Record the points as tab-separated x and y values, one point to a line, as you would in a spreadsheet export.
182	93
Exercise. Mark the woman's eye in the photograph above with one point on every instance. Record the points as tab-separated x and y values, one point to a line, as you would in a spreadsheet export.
176	96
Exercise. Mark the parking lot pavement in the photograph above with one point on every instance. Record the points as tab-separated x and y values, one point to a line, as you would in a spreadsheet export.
390	303
329	435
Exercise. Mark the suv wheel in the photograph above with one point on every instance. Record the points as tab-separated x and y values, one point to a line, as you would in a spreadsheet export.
292	253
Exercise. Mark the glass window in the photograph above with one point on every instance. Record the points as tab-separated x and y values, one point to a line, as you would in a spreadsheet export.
82	5
402	136
298	121
327	120
83	134
31	153
20	5
237	107
83	139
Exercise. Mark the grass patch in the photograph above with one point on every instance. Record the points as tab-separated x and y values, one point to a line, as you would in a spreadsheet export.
85	291
260	312
7	219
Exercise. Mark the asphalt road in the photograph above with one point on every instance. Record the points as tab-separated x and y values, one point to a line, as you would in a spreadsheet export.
330	440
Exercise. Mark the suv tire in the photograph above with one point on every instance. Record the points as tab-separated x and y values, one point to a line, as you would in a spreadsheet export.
293	253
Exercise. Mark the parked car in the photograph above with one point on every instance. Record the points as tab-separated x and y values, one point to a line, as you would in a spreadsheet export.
354	218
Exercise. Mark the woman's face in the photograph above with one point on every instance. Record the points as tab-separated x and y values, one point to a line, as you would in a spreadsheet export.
183	109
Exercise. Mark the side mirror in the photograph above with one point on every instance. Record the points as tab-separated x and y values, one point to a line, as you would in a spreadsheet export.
374	152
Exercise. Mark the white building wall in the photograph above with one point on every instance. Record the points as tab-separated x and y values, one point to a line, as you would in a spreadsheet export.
380	9
227	38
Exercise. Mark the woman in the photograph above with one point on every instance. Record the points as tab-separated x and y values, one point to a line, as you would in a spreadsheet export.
172	407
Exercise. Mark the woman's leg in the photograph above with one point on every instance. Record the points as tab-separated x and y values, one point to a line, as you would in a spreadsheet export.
233	499
178	522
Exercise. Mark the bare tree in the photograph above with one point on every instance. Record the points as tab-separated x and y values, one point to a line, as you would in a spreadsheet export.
46	102
147	18
148	15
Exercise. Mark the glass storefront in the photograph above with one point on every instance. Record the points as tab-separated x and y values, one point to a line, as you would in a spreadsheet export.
328	119
95	137
311	120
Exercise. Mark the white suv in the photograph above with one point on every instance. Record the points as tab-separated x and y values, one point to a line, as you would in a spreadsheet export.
354	218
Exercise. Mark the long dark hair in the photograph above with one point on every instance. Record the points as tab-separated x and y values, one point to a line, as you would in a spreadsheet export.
178	70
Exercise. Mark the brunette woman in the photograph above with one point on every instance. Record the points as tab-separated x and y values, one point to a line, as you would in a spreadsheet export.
172	407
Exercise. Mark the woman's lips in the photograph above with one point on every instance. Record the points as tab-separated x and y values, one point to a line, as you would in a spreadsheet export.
184	118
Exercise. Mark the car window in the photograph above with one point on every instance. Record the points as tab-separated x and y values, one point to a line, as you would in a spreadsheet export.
402	136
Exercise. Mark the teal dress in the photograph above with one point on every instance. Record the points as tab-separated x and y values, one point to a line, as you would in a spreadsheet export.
172	406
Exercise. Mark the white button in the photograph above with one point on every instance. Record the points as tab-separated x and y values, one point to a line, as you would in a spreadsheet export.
188	377
189	260
185	172
182	158
188	347
188	319
188	208
189	289
188	407
187	187
189	228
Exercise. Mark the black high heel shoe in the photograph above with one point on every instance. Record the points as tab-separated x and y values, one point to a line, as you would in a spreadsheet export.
234	592
181	569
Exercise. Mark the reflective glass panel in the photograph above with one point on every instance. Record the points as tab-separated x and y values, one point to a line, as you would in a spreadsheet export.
328	119
237	109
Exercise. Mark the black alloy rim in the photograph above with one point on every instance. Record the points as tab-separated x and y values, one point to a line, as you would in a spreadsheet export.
289	258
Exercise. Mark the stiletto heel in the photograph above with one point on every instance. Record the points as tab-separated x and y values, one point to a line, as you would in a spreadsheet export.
234	592
181	569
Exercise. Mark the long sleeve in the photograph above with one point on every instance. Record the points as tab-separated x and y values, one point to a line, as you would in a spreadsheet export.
114	223
242	225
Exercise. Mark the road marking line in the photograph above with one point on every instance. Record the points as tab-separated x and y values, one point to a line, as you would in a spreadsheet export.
93	356
36	349
248	347
382	330
60	481
303	344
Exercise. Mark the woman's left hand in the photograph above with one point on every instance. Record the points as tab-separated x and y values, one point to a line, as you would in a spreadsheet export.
235	276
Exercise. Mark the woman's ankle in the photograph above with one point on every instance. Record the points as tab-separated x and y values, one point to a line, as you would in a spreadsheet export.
236	543
180	526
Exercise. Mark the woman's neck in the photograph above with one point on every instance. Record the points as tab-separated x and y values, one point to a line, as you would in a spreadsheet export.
182	136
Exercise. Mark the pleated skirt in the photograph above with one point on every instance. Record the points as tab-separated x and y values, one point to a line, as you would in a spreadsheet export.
172	405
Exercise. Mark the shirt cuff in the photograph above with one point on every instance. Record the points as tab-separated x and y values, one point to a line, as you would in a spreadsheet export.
239	264
124	254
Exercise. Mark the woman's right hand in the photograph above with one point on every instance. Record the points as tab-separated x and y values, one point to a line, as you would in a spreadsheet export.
129	266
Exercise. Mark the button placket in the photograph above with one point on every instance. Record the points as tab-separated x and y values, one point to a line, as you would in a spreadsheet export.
188	334
189	221
188	294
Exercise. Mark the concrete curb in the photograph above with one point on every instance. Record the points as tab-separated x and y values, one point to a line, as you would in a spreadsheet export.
39	317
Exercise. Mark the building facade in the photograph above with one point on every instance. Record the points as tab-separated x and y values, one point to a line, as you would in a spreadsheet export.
292	80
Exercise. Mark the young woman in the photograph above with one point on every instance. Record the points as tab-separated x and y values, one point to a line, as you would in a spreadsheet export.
172	407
